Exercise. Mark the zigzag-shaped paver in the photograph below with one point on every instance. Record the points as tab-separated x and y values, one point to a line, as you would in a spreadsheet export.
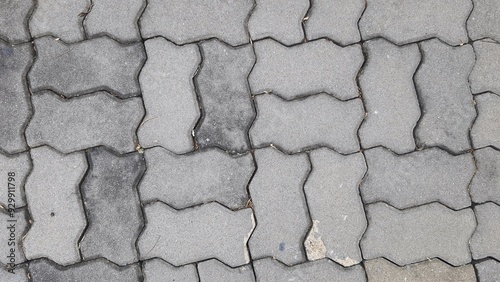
484	76
485	131
157	270
485	185
13	18
488	270
20	165
215	271
485	242
484	21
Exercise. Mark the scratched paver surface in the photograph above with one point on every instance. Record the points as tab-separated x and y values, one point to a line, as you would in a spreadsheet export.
249	140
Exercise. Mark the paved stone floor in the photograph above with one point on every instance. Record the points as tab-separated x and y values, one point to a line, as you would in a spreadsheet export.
266	140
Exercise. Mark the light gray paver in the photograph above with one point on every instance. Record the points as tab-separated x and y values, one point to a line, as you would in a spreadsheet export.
201	177
445	96
15	224
225	96
308	68
485	242
20	165
215	271
335	207
55	206
301	124
13	20
335	19
169	95
389	95
417	178
87	66
280	206
484	75
194	234
418	234
410	21
485	185
488	271
484	21
279	19
84	122
20	274
157	270
188	21
485	131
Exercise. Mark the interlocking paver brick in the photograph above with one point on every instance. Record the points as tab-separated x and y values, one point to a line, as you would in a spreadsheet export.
112	206
87	66
201	177
418	233
13	20
84	122
335	207
225	96
20	274
157	270
169	95
410	21
335	19
309	68
301	124
417	178
59	18
484	75
485	131
57	215
381	270
390	97
484	21
445	96
189	21
215	271
270	270
95	270
280	206
194	234
20	165
16	224
488	271
485	242
485	185
279	19
117	21
14	95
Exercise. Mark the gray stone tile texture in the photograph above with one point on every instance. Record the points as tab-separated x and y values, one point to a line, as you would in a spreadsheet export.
157	270
20	165
20	274
484	76
215	271
484	21
488	271
485	185
485	131
485	242
13	20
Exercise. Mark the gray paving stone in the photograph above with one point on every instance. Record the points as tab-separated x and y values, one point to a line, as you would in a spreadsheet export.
418	234
280	206
112	206
194	234
117	21
157	270
485	185
410	21
381	270
484	21
169	95
485	131
87	66
484	76
488	271
225	96
309	68
189	21
270	270
13	20
279	19
417	178
20	274
485	241
335	19
14	95
57	214
215	271
95	271
335	207
301	124
16	224
84	122
389	95
201	177
20	165
446	100
59	18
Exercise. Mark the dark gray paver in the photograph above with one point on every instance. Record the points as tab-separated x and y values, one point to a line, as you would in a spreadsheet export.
484	76
417	178
87	66
84	122
13	20
381	270
20	165
485	131
488	271
20	274
485	242
335	19
419	233
109	194
410	21
16	224
215	271
194	234
446	100
225	96
56	210
485	185
309	68
14	95
389	95
189	21
484	21
201	177
280	206
169	95
301	124
335	207
157	270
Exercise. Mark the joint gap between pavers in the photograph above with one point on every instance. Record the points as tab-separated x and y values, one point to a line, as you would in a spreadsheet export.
304	149
421	261
201	111
84	15
303	96
304	19
309	228
80	191
420	205
154	201
420	101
